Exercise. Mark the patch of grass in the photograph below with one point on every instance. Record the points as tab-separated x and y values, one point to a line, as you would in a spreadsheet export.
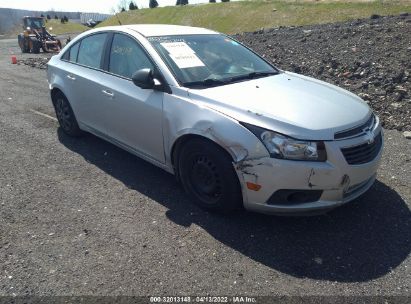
58	28
242	16
62	28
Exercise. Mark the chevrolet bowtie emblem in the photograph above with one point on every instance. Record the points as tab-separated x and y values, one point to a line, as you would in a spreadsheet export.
369	135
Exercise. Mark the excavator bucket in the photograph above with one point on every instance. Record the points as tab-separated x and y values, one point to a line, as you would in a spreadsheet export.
52	46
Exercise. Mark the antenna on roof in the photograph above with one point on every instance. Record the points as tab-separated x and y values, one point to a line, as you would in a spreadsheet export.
118	19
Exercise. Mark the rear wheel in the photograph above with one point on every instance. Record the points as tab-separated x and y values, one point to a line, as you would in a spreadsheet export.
65	116
207	174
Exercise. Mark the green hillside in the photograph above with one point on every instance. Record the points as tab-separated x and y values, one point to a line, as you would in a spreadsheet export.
234	17
58	28
62	28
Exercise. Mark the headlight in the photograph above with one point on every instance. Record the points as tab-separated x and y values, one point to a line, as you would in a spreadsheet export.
280	146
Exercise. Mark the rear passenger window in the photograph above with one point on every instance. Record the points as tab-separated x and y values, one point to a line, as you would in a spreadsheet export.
72	57
91	50
127	56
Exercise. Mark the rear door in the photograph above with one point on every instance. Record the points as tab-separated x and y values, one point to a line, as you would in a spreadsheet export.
68	70
84	78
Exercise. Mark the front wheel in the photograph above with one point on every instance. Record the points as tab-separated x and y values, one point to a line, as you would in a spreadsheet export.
35	46
22	44
65	116
208	176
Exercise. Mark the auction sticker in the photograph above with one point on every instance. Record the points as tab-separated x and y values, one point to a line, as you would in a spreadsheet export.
177	47
184	61
182	55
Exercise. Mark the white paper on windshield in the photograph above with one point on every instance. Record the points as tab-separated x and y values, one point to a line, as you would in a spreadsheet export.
182	55
184	61
177	47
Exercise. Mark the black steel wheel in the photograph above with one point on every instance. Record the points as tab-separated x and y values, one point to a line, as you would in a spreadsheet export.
208	176
65	115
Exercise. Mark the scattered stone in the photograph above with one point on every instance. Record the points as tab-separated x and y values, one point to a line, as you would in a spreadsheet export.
401	90
334	63
397	78
37	62
407	134
347	74
364	96
398	97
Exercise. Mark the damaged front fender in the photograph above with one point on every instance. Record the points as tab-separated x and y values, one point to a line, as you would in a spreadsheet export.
200	120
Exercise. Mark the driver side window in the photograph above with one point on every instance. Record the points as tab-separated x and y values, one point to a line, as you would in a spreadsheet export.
127	56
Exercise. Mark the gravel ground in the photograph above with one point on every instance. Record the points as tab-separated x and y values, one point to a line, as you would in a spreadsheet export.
370	57
82	217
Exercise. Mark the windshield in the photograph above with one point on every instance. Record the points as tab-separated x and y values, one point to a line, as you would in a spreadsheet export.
35	23
209	60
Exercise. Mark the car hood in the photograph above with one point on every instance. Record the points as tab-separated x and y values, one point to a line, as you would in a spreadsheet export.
288	103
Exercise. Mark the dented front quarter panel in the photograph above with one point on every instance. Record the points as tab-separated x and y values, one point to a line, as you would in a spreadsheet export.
196	118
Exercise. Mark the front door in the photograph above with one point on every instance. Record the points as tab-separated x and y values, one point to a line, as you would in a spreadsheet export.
134	114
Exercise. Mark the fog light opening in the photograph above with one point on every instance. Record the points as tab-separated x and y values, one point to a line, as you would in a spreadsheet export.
294	197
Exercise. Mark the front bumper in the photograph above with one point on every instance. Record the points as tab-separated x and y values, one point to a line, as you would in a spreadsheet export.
339	182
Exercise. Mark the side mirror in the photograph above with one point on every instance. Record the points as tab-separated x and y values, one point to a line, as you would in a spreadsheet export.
144	79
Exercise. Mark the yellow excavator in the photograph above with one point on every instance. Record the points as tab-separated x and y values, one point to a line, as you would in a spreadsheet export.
36	37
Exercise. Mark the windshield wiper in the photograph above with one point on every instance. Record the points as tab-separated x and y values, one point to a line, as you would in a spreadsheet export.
212	82
251	75
209	82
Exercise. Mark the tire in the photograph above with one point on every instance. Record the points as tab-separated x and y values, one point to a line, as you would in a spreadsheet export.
22	44
65	116
208	176
35	47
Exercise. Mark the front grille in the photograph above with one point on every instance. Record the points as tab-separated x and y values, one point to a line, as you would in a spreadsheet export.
357	131
363	153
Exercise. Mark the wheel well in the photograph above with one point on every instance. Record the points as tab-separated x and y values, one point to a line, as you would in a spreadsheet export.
54	93
181	141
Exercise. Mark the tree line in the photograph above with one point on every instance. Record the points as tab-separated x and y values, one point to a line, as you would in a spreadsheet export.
153	4
63	19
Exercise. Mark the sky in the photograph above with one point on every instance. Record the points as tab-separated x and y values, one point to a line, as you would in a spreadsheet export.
98	6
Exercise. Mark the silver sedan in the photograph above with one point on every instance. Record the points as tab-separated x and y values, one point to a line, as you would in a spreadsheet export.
235	130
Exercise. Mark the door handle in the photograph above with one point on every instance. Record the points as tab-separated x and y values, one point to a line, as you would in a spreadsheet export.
71	77
108	93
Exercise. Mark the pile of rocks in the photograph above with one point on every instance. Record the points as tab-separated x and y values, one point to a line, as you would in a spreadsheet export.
38	62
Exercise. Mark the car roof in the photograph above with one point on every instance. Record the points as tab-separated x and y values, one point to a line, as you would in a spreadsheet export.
150	30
